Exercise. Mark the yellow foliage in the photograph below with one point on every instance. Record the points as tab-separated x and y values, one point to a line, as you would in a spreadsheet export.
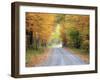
41	24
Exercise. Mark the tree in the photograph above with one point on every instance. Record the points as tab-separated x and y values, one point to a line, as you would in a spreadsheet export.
75	30
41	26
75	38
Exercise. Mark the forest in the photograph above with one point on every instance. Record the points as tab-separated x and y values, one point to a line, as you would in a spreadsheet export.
74	30
45	30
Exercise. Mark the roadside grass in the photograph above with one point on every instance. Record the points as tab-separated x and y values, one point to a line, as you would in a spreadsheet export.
34	52
81	51
31	52
84	55
34	57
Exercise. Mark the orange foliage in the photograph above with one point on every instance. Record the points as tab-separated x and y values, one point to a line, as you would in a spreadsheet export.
41	24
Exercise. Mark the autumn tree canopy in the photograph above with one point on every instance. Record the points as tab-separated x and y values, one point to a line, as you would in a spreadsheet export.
41	26
73	29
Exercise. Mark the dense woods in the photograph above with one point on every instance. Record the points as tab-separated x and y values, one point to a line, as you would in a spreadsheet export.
41	30
75	31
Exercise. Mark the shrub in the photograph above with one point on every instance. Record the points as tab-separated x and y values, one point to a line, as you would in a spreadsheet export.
85	45
74	38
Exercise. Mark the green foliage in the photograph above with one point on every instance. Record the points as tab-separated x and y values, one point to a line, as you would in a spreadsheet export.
74	38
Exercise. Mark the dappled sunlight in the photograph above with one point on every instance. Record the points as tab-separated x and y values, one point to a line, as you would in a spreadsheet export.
55	40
